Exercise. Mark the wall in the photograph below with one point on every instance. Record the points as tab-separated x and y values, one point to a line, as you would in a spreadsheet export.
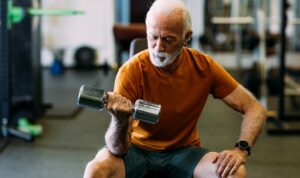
93	28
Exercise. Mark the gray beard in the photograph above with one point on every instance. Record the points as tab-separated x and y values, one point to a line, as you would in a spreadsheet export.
169	58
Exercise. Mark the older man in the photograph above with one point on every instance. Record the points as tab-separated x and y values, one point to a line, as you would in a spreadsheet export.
180	79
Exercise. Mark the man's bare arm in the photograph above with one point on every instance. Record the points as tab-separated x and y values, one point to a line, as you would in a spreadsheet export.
254	115
254	118
117	136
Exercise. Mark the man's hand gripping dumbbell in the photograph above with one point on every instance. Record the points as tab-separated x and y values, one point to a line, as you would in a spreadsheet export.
117	105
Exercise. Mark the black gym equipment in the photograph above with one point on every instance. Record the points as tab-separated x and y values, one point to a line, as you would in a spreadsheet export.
253	80
250	39
20	69
6	75
281	115
85	58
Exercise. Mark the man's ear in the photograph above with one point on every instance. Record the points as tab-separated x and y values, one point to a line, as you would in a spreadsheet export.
188	37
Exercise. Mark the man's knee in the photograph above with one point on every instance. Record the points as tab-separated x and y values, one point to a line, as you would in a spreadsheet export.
206	169
105	165
240	173
95	169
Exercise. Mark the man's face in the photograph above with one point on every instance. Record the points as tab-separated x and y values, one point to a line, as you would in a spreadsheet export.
165	39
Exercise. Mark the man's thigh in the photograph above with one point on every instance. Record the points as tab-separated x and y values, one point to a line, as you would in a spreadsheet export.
175	164
184	162
135	164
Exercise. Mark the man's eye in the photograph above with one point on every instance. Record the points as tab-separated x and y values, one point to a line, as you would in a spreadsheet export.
169	39
153	37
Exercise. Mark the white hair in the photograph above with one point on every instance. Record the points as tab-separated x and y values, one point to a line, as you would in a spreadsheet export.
168	7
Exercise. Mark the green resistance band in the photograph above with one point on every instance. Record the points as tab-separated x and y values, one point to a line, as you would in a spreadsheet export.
17	14
53	12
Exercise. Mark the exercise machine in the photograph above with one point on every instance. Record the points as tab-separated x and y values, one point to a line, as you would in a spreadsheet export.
283	80
284	83
5	81
20	71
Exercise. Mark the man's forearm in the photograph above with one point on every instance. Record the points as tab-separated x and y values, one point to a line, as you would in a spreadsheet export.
117	137
253	122
254	114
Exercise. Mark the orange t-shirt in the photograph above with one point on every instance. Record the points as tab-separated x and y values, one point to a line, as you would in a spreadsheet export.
182	95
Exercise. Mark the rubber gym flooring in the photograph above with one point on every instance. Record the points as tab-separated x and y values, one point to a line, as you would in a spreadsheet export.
70	139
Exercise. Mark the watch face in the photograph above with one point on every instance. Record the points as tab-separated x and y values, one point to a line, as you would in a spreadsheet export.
243	144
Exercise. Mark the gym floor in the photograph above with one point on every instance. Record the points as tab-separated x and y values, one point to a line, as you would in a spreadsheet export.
69	141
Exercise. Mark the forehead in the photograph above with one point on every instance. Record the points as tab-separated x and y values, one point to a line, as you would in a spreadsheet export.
163	24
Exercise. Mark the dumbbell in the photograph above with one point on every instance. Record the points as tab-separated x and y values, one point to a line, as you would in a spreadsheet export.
96	98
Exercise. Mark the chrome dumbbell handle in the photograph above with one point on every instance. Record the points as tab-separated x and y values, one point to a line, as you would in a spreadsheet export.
96	98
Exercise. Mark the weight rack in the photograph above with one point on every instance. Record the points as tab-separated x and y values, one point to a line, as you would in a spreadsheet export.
4	73
5	82
282	116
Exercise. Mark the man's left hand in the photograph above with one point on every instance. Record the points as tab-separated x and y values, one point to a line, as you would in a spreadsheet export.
229	161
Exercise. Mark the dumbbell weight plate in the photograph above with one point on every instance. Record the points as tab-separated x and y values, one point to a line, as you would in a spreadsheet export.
146	111
91	97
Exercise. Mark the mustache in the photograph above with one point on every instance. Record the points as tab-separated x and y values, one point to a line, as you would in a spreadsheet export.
165	54
161	54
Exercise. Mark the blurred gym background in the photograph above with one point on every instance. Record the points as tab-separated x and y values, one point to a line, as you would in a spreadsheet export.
48	49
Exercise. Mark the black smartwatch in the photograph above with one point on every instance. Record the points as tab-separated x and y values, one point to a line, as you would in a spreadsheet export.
244	146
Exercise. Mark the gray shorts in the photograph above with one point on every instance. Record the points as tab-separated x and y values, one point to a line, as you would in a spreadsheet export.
179	163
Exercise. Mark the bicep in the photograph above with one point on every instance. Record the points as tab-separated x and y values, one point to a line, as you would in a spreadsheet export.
240	99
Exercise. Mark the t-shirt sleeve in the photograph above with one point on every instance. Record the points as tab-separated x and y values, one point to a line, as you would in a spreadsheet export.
222	82
127	82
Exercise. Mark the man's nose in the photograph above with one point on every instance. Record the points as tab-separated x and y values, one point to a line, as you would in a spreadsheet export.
160	45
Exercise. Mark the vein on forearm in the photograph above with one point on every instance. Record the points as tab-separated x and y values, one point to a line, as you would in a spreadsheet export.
116	137
253	122
254	114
